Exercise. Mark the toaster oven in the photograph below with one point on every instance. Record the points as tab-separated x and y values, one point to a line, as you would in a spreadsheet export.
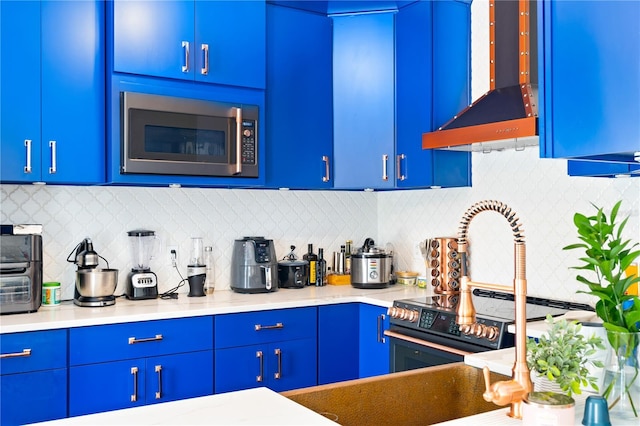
20	273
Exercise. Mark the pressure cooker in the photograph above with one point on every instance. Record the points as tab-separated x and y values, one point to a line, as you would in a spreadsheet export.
371	266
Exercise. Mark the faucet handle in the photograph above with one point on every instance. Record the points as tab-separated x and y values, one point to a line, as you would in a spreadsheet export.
486	372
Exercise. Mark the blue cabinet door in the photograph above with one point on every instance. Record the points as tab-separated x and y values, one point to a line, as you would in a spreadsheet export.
154	38
364	101
432	84
230	42
173	377
33	397
107	386
591	70
20	95
374	346
338	347
280	366
73	92
53	92
299	99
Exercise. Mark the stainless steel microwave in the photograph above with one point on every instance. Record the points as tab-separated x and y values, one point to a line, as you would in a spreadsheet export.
191	137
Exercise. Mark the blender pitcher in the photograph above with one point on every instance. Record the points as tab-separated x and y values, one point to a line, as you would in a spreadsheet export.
141	282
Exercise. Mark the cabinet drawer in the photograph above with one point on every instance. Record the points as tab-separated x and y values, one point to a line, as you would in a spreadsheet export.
141	339
266	326
33	351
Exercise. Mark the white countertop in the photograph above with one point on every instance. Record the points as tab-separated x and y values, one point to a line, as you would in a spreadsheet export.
220	302
259	406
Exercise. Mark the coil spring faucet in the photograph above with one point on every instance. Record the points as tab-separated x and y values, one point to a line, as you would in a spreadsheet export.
511	391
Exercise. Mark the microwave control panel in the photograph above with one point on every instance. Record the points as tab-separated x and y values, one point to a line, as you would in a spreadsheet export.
248	142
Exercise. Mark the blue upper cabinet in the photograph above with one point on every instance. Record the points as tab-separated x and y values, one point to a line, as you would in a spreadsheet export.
591	68
219	42
432	85
298	99
53	85
364	101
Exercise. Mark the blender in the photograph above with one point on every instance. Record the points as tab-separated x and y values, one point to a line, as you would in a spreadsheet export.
141	282
196	269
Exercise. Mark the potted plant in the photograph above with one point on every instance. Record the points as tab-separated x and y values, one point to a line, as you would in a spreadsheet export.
606	257
563	355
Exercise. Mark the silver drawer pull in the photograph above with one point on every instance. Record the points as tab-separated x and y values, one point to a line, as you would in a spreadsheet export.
278	374
134	373
260	357
159	391
25	352
157	338
269	327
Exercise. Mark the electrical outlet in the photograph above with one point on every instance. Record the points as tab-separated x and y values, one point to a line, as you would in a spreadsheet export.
172	255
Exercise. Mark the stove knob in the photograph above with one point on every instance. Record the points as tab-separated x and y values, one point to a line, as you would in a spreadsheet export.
491	333
413	316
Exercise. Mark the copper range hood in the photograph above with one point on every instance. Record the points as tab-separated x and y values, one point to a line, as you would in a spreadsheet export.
506	117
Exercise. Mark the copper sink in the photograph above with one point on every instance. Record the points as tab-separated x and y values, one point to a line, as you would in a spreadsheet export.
417	397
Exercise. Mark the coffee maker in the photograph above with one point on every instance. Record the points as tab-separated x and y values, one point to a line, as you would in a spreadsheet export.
142	283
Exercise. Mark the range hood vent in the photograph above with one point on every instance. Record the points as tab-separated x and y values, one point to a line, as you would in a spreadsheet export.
506	117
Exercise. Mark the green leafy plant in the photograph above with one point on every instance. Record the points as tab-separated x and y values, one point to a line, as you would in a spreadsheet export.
563	355
608	255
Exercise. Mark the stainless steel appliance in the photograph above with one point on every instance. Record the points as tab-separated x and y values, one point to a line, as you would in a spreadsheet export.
142	283
423	332
94	287
371	266
254	266
178	136
20	273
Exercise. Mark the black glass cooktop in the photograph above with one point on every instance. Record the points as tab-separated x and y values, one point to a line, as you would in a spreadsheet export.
499	306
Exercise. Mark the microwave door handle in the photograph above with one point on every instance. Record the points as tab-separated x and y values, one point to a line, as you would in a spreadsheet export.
238	141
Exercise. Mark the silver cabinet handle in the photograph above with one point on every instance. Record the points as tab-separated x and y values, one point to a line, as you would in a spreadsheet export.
156	338
205	59
54	161
238	141
25	352
326	176
185	50
259	356
159	391
381	338
385	175
259	327
399	159
278	373
134	373
27	144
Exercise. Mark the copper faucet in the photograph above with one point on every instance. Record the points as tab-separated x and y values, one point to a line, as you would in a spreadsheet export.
510	391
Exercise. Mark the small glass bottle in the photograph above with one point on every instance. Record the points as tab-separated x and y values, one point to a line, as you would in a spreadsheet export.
208	259
321	269
347	257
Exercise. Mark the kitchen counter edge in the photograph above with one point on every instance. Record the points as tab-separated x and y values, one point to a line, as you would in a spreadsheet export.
68	315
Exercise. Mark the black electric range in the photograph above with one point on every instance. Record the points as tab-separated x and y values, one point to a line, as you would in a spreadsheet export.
433	318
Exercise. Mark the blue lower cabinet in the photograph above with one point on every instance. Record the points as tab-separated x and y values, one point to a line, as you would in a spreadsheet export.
124	384
33	397
276	349
338	358
374	346
33	376
279	366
